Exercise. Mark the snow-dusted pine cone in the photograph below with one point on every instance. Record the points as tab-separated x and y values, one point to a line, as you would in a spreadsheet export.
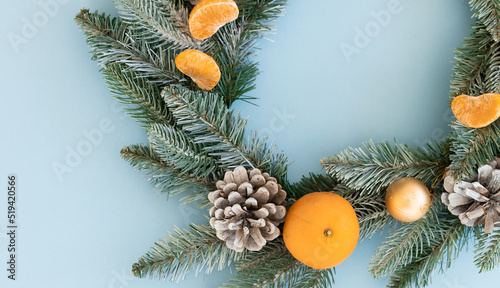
475	200
248	207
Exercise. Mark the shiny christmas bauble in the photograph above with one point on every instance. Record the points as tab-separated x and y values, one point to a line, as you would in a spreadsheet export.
407	199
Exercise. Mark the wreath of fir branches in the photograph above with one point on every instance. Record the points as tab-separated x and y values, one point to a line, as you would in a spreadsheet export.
194	137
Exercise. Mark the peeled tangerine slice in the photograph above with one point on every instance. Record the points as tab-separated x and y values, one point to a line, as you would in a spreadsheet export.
209	15
476	112
200	67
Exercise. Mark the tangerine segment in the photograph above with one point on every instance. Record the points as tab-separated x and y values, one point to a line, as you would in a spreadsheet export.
321	230
209	15
476	112
200	67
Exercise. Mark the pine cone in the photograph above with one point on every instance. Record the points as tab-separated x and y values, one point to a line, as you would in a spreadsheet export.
475	200
248	207
194	2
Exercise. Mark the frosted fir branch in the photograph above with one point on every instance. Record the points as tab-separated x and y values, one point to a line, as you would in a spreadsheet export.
196	248
110	42
372	168
476	72
491	81
310	184
179	14
487	250
266	157
177	149
205	117
275	267
142	97
488	12
165	179
233	48
375	222
438	254
472	148
162	21
259	14
154	31
372	214
221	131
471	61
405	244
199	197
371	211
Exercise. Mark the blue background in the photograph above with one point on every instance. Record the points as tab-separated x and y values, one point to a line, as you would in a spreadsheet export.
85	228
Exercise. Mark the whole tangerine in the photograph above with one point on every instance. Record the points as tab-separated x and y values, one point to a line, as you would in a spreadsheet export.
321	230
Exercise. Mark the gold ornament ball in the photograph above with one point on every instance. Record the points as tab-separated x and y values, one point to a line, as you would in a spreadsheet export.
407	199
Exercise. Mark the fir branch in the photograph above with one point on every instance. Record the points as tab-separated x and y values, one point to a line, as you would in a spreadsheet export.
272	250
177	149
476	72
233	46
471	62
310	184
195	248
487	250
491	81
259	14
488	12
154	31
375	222
440	252
143	158
265	157
275	267
262	268
159	21
199	197
374	167
472	148
164	178
109	39
103	34
406	243
205	118
371	211
310	277
142	96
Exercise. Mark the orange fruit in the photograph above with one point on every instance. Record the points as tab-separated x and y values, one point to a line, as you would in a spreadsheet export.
321	230
209	15
476	112
200	67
